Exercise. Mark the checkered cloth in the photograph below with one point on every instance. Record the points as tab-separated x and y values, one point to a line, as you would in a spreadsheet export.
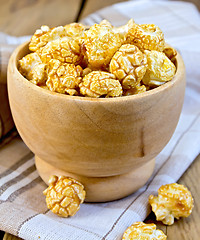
23	210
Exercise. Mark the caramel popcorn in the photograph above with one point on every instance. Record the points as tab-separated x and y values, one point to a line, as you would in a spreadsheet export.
66	50
45	35
173	201
146	37
86	71
136	90
160	69
170	53
101	43
99	61
123	30
38	74
33	69
63	78
129	65
142	231
64	195
75	30
99	83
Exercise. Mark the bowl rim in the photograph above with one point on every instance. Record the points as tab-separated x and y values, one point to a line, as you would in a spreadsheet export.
13	63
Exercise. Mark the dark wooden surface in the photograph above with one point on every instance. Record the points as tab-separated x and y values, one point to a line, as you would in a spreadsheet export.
24	16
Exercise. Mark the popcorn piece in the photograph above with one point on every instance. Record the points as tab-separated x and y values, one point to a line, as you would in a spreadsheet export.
38	74
136	90
129	65
66	50
142	231
173	201
146	37
33	69
86	71
99	83
74	30
170	53
63	78
101	43
123	30
27	63
44	35
64	195
160	69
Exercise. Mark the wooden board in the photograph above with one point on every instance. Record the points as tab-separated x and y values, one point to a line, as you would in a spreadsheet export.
24	17
13	20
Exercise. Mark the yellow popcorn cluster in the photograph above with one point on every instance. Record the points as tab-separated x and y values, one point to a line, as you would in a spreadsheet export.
142	231
99	61
63	78
99	83
173	201
64	195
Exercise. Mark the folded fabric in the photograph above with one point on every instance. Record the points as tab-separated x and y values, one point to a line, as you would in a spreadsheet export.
7	46
23	210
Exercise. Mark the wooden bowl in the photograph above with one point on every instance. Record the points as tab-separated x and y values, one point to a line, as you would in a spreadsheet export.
109	144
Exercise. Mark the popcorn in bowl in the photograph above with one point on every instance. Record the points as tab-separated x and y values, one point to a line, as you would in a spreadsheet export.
129	65
98	83
173	201
134	58
33	69
146	37
63	78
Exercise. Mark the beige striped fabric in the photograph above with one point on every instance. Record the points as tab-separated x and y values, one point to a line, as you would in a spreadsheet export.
22	206
7	45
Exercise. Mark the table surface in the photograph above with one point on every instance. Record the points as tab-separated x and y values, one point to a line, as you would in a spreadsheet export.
13	20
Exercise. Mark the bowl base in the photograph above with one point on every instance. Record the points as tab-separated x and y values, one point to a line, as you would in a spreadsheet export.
102	189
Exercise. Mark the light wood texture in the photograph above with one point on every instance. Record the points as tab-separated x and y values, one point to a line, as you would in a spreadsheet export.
102	189
92	6
94	137
190	178
24	17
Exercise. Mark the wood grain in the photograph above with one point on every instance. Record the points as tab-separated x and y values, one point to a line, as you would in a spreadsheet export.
90	137
92	6
9	22
102	189
24	17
